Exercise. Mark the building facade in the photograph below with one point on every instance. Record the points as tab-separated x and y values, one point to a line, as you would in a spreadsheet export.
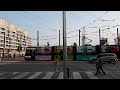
13	40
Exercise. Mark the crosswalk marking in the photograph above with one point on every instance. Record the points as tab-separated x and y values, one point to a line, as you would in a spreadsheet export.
21	75
48	75
76	75
60	75
15	72
34	75
91	75
3	73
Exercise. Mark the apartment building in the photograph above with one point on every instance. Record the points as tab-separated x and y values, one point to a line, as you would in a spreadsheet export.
12	38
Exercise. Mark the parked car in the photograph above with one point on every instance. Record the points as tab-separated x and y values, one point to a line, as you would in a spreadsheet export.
105	57
93	59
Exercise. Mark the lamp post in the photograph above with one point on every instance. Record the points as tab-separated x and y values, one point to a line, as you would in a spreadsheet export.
64	47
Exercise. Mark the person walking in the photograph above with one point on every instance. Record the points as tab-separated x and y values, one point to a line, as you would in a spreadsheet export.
56	63
99	65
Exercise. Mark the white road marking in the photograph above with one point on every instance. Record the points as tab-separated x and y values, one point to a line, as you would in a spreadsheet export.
3	73
91	75
21	75
60	75
76	75
48	75
34	75
15	72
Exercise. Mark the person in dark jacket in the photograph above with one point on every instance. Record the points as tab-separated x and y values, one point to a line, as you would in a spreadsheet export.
99	65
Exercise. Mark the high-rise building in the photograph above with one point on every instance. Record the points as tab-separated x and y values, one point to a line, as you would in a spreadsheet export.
12	38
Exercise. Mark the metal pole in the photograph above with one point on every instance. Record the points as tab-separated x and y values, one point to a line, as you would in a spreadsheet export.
59	38
117	36
64	47
79	37
99	36
38	38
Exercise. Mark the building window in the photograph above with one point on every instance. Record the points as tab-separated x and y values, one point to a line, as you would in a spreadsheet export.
2	41
1	45
3	28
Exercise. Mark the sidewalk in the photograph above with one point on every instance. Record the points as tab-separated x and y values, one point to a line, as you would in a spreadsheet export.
22	59
12	59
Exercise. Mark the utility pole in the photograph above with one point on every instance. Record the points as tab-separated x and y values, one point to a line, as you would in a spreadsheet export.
59	38
64	47
117	36
79	37
99	37
38	38
83	36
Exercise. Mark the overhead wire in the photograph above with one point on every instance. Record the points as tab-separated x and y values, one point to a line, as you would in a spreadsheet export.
41	33
106	25
35	22
93	20
87	25
41	22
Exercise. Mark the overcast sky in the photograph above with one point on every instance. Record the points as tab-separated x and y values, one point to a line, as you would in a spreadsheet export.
50	22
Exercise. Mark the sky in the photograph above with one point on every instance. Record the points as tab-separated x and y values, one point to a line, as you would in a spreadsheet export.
50	22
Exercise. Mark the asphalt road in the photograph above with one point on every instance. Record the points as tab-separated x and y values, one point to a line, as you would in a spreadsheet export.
40	69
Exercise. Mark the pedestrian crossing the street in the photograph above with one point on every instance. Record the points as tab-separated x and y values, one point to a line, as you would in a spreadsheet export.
58	75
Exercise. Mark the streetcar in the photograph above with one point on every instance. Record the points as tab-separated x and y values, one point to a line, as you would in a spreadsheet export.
38	53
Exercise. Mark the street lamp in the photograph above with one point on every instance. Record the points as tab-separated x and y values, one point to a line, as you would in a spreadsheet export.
64	47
